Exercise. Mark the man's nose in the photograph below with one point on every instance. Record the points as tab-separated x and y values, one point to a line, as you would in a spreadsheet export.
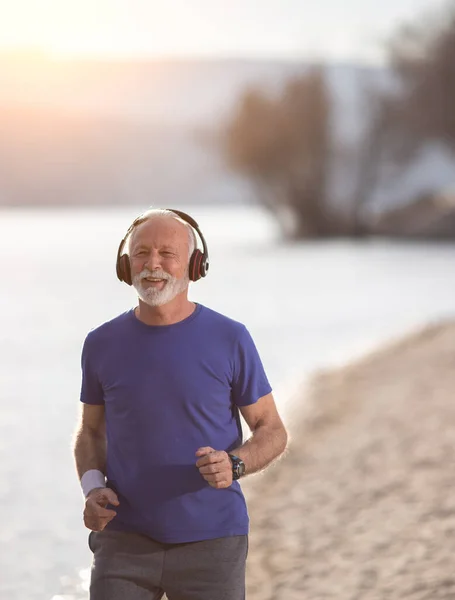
153	261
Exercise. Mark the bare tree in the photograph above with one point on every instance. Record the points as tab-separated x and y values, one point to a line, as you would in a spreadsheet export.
283	145
423	59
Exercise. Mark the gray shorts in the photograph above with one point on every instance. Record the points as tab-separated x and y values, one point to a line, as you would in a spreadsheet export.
130	566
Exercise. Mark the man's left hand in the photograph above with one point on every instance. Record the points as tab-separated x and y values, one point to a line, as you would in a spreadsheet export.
215	467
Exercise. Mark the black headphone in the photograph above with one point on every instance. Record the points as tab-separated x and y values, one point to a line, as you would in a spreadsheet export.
199	261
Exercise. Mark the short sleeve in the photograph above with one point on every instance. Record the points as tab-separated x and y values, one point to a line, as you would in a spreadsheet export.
249	379
91	389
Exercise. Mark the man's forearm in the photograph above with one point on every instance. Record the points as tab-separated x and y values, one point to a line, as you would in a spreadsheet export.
262	448
89	452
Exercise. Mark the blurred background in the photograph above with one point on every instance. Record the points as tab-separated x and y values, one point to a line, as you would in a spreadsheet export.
313	142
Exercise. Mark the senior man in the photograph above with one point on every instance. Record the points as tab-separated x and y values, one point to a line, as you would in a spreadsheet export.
159	448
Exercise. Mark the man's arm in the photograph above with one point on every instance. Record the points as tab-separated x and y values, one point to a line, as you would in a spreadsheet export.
90	440
268	441
269	436
90	453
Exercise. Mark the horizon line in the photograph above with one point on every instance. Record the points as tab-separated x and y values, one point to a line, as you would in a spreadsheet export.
37	53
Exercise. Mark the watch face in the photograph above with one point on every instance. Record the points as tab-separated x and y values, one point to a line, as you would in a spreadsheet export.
238	467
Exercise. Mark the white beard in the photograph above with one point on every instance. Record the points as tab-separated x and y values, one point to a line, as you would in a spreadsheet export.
155	297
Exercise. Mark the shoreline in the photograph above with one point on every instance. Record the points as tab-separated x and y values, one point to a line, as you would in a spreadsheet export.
362	506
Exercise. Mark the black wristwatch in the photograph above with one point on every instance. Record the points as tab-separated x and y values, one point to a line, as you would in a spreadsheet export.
238	466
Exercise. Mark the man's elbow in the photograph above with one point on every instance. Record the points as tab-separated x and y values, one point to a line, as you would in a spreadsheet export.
285	440
282	440
85	435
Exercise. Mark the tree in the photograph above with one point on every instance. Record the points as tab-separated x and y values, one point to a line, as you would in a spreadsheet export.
282	144
423	60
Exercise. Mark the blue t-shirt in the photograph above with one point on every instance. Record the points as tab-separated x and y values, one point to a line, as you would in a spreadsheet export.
169	390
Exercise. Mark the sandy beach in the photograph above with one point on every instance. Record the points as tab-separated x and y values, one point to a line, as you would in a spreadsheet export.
363	504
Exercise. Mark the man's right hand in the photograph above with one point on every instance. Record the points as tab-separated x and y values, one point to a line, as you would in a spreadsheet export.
96	515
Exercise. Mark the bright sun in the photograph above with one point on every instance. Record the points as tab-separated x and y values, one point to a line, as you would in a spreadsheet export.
67	27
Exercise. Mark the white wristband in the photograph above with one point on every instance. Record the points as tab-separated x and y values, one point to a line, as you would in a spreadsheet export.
92	479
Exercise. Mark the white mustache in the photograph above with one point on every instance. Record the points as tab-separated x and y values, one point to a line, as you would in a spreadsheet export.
155	274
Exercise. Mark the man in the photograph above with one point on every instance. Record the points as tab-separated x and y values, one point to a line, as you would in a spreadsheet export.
159	448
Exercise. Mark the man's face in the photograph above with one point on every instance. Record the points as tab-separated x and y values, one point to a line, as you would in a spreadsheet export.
159	260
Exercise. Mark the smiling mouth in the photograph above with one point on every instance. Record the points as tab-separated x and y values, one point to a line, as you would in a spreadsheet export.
154	281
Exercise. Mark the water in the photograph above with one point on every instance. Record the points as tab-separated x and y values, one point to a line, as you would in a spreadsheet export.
308	306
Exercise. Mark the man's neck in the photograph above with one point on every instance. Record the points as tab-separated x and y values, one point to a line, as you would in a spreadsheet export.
168	314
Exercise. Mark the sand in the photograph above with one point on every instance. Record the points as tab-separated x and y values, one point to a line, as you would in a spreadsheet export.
363	504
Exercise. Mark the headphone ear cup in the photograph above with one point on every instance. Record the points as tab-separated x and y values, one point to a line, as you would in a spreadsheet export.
195	265
204	266
124	269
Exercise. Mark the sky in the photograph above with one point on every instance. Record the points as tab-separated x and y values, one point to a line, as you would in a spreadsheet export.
290	29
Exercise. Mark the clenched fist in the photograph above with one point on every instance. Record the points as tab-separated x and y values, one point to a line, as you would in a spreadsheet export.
96	515
215	467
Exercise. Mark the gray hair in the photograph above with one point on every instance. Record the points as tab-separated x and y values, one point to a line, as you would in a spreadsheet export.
164	212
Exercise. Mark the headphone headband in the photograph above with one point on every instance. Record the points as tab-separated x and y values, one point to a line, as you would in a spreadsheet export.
185	217
199	261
